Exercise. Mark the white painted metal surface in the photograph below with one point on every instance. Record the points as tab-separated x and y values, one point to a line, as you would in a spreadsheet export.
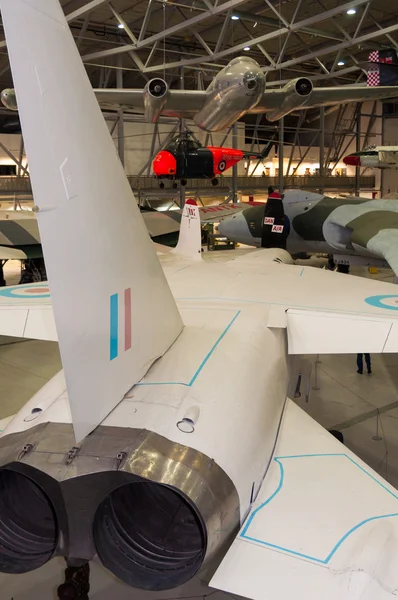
316	332
228	310
324	525
71	193
189	241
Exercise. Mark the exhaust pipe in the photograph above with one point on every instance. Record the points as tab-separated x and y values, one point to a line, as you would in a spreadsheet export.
149	536
153	510
28	526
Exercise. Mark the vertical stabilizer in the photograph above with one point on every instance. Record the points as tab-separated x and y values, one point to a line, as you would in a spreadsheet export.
274	232
105	279
190	238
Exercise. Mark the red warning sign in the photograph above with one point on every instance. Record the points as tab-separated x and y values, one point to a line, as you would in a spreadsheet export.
277	228
269	221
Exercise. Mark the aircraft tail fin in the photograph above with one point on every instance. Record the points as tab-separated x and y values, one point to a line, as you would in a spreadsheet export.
265	151
109	325
383	68
274	231
190	239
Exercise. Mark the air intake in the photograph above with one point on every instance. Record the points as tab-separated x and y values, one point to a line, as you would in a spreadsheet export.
157	88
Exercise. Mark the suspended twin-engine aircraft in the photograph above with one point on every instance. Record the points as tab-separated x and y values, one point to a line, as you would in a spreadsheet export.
130	454
185	158
240	89
356	231
374	157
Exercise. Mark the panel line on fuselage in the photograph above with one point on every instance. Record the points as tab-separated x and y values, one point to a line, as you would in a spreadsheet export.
202	364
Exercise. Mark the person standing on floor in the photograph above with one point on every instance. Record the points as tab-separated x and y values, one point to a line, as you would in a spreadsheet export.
360	363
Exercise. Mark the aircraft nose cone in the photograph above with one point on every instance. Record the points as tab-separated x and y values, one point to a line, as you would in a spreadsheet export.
164	165
352	160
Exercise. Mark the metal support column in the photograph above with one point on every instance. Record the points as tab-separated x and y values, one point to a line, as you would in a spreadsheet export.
182	131
21	151
322	147
120	124
235	167
280	154
358	149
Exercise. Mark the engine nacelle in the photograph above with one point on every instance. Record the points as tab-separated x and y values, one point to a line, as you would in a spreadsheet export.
9	99
156	93
298	92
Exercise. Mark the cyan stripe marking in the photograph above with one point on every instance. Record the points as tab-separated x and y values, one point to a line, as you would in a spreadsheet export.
326	560
114	327
203	363
228	327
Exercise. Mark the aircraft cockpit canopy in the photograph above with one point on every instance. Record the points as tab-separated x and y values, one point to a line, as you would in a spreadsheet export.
183	143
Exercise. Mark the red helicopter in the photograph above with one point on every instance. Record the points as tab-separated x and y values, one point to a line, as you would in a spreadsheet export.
185	158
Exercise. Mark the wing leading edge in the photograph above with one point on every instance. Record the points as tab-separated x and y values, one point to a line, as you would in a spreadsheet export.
323	520
186	103
273	99
180	103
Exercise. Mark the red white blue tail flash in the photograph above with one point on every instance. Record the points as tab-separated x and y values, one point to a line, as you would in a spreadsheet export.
120	310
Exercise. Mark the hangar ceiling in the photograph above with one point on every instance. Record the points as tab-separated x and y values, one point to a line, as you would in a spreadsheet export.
197	38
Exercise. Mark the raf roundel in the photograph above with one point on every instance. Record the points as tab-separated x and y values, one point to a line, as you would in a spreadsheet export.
222	165
390	302
26	292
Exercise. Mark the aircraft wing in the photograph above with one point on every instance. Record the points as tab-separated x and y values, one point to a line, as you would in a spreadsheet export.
345	94
26	312
371	227
180	103
24	232
323	520
324	96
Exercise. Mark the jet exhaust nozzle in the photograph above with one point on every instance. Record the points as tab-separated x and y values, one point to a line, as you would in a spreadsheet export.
28	525
153	511
156	93
149	536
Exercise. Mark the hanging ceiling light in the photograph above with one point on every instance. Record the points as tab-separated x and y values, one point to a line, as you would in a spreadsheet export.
235	18
121	26
341	63
246	48
351	11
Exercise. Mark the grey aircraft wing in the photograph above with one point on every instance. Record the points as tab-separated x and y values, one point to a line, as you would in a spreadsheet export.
345	94
296	96
183	104
371	227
